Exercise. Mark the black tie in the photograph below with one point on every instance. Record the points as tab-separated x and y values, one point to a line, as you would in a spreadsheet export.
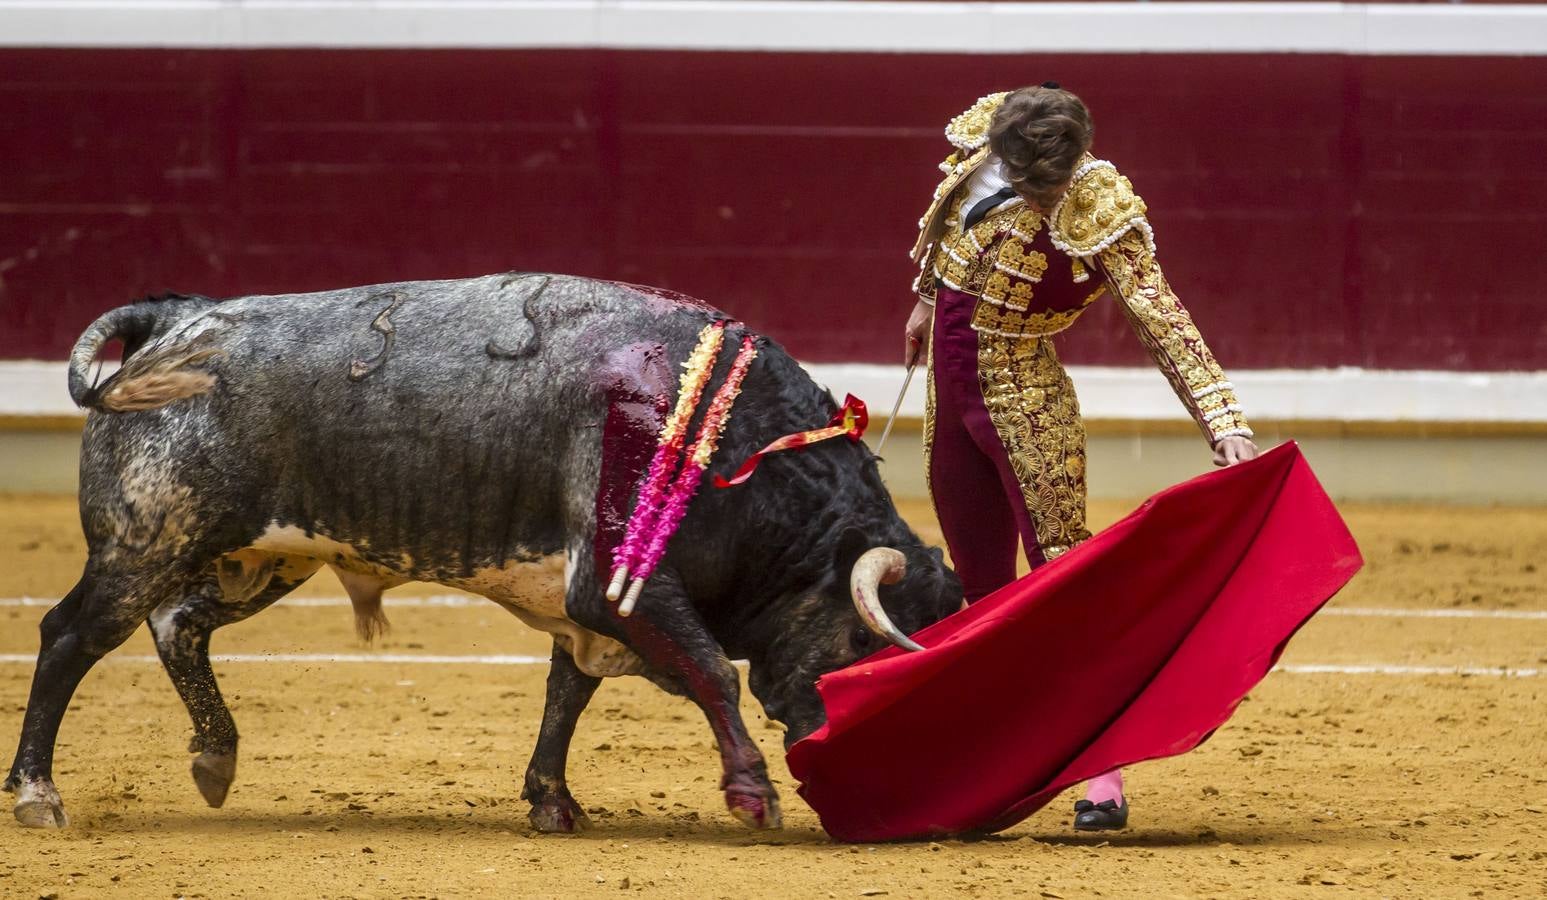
982	207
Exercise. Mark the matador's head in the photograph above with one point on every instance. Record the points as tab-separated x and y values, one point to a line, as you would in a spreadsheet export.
1040	133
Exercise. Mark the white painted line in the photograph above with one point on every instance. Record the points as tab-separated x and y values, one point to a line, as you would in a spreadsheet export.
788	25
497	659
441	600
384	658
1525	614
1349	394
1376	669
458	601
519	660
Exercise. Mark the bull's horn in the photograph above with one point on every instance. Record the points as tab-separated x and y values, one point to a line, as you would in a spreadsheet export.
875	567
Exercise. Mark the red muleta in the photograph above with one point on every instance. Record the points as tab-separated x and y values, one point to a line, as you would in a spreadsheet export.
1195	595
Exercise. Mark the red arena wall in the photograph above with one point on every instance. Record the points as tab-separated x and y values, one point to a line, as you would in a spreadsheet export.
1313	209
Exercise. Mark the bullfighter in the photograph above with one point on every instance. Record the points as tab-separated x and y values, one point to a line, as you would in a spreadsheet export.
1023	219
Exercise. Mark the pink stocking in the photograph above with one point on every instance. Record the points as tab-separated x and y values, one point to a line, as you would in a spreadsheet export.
1106	787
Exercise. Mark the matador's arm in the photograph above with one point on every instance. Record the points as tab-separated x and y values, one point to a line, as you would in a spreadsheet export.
1101	220
1172	339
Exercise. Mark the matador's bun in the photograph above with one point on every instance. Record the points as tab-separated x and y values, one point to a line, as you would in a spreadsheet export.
1040	133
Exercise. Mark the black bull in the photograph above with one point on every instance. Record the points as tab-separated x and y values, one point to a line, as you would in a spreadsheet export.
461	432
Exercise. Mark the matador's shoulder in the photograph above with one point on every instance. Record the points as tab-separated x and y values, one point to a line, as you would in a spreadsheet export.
968	134
969	130
1099	207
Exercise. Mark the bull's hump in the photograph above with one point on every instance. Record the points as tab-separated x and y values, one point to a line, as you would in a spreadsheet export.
663	298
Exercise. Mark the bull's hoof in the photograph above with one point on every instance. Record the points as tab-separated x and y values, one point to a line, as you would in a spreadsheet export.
559	815
755	810
213	773
38	806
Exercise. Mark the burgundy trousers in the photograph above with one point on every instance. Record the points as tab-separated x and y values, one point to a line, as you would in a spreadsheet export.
976	494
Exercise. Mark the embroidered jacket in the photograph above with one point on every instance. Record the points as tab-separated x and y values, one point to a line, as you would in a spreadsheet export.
1005	260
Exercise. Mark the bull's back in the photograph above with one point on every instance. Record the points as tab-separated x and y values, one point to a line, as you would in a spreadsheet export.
455	423
515	347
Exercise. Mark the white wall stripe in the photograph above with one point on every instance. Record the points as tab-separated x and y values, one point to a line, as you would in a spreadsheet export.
460	601
517	660
37	388
785	25
1347	394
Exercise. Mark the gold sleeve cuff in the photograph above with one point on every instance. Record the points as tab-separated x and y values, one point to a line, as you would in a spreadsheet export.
1168	333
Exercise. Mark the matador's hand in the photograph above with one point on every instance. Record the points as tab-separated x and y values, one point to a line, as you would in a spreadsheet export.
916	333
1234	449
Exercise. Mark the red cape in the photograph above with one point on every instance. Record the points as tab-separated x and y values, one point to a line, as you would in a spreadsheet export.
1193	596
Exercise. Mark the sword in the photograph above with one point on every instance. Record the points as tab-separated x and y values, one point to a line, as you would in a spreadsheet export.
892	420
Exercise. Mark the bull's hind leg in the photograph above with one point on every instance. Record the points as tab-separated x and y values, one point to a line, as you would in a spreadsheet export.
554	810
242	585
98	614
53	623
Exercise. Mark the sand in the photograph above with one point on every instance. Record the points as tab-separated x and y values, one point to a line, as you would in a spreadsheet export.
403	779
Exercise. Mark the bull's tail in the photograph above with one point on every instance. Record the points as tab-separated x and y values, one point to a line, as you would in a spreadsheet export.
147	379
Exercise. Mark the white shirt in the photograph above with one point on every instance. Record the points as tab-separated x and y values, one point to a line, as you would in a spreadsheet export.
986	180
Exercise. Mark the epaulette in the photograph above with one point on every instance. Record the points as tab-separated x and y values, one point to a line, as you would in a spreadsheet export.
1099	207
969	131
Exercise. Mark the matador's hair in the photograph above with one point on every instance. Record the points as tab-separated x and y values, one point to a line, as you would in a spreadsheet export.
1040	133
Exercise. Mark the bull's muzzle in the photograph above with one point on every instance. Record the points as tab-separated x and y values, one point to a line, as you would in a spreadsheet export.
878	566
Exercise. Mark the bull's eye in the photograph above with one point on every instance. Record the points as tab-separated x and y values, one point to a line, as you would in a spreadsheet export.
861	641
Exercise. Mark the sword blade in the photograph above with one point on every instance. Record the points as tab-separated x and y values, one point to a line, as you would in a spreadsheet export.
892	420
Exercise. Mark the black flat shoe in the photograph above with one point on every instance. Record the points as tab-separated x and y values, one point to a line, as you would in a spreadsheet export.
1103	816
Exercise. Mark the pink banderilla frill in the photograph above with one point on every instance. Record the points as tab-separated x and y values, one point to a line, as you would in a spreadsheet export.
694	466
641	526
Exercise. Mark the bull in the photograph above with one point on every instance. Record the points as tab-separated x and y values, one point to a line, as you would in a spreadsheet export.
465	433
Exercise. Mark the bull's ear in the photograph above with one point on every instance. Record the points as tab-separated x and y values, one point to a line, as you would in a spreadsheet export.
852	543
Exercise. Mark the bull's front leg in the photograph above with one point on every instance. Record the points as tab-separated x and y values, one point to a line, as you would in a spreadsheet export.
554	810
668	633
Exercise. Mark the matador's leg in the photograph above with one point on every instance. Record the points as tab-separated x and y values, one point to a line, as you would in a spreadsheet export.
1036	419
976	514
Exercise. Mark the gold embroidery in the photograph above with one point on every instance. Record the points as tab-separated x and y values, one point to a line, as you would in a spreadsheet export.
1167	331
999	291
1034	409
1008	322
969	130
1099	207
1020	296
994	262
960	258
968	133
929	418
1016	260
931	225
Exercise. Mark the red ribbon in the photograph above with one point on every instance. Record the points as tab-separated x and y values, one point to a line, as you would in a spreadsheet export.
850	421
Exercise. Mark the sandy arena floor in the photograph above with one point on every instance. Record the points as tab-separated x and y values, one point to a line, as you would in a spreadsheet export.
402	779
